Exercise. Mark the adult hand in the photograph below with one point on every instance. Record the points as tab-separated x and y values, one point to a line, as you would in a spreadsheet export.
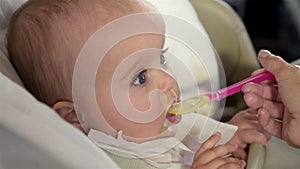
278	104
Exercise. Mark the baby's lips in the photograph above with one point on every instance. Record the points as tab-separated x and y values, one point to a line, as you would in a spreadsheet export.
174	118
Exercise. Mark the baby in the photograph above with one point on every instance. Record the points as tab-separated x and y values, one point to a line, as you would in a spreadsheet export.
122	102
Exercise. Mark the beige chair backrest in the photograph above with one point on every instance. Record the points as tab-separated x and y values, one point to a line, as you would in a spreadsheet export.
230	39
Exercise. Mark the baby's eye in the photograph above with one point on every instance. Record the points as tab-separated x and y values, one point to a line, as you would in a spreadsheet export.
162	57
140	79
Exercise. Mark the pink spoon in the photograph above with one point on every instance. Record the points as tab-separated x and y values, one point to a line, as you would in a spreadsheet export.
192	104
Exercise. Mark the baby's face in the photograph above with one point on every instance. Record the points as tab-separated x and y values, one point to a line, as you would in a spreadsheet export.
132	89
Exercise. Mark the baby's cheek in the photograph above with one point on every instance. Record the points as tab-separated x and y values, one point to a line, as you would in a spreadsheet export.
152	104
139	102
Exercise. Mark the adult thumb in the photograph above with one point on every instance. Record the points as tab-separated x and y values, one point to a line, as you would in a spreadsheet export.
272	63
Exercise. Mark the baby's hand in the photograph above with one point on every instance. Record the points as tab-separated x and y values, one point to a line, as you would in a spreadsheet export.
210	157
249	131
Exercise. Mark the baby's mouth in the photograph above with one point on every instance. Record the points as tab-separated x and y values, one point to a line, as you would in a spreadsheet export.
174	119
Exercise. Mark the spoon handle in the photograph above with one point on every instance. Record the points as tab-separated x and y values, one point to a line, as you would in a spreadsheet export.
237	87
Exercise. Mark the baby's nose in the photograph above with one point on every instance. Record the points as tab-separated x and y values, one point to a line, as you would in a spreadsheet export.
166	82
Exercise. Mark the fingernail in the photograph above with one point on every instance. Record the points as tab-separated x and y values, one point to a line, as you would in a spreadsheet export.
243	163
217	134
245	89
258	113
264	53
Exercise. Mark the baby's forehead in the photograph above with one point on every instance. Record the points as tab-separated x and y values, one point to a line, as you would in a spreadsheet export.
105	12
135	15
138	13
115	8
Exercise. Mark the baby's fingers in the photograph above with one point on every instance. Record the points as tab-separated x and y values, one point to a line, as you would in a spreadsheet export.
233	166
249	136
208	144
217	152
226	163
240	153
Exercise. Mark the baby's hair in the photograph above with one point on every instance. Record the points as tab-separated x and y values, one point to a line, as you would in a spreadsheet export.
35	50
43	41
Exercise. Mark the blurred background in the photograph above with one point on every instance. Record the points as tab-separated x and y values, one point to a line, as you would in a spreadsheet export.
272	25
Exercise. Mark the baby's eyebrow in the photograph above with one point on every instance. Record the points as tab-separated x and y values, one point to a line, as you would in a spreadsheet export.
164	50
131	67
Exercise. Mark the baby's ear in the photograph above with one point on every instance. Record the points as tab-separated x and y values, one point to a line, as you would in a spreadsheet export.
66	111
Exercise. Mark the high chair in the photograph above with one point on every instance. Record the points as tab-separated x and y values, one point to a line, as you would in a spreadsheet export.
33	136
